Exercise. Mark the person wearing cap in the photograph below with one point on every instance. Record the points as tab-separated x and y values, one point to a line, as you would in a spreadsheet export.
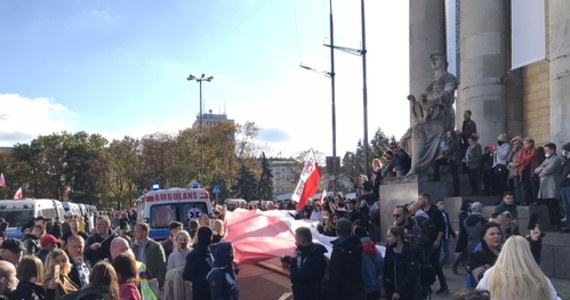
12	250
346	265
199	262
565	185
48	243
473	225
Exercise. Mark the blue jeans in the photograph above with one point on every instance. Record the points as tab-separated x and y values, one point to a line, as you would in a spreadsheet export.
565	193
445	251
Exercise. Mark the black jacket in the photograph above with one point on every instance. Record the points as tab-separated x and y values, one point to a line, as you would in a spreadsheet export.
402	273
32	243
31	291
198	265
74	273
307	272
564	171
94	256
346	270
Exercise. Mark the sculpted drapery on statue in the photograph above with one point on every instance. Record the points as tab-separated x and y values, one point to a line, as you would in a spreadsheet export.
433	115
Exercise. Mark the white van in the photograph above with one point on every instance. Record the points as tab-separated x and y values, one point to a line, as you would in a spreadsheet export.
21	212
159	208
72	207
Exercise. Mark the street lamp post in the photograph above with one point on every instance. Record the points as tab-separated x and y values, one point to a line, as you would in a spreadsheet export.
199	80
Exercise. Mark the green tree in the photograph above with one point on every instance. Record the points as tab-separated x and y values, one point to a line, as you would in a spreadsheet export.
245	184
123	172
265	185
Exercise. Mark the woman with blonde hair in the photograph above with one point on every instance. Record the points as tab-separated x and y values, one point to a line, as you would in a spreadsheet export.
516	275
218	229
30	272
177	259
58	265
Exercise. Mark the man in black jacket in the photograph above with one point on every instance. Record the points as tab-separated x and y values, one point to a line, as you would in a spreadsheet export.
32	240
198	265
346	265
307	267
80	268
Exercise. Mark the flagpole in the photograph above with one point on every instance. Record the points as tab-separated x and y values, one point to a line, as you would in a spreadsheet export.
334	170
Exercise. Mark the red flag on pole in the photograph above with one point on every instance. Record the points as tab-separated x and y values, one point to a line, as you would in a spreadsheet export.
308	183
18	195
2	181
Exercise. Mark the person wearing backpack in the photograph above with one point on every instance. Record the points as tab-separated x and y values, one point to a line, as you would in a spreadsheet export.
307	267
436	218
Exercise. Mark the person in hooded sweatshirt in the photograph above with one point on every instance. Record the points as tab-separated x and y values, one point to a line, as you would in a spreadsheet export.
307	266
372	264
473	226
346	265
198	265
222	278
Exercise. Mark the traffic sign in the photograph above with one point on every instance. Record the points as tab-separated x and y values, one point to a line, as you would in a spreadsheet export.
216	189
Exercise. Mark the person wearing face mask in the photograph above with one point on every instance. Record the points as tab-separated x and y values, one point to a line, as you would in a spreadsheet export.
548	192
565	184
177	259
500	173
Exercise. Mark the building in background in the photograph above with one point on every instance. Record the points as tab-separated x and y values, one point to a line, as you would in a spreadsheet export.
511	59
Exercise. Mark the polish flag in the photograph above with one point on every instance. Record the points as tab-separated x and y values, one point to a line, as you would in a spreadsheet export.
2	181
308	183
18	195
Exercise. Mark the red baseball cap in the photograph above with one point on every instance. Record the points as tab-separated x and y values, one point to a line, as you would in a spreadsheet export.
47	239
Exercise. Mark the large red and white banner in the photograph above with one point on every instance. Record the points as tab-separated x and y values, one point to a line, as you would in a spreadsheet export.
308	183
261	235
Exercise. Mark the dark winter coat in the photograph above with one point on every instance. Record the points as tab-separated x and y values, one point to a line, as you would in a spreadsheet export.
32	243
346	270
198	265
31	291
461	245
222	281
307	271
402	273
94	256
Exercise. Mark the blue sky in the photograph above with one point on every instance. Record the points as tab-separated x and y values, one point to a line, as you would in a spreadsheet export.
119	68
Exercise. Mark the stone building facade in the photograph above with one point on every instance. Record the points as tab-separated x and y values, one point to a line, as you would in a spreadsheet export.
533	100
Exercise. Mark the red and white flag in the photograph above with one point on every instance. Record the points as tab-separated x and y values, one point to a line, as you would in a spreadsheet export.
308	183
323	195
18	195
67	190
2	181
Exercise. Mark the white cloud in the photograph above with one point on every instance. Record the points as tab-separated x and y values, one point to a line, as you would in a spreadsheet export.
24	119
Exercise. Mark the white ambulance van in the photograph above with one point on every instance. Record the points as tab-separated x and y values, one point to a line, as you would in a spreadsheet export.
159	208
21	212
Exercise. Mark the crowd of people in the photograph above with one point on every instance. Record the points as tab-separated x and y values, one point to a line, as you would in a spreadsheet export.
121	262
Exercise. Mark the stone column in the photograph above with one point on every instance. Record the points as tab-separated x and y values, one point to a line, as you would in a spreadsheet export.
427	35
559	32
483	66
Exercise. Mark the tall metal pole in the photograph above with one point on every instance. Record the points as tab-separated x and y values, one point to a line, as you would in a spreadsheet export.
364	91
201	137
335	171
